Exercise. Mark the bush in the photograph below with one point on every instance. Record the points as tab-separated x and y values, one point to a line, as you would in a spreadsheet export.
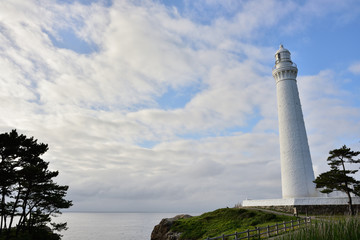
37	233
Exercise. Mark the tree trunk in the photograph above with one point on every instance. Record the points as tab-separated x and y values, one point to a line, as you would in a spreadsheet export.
2	210
13	213
351	208
22	219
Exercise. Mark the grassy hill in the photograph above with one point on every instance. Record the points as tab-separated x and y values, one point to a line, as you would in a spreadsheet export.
224	221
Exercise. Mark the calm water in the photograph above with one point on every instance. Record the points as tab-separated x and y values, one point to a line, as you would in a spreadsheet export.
110	226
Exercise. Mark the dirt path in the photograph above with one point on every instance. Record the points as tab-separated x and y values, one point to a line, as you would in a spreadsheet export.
277	212
271	211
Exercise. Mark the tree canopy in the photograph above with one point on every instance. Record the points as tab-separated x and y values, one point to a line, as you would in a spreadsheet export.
339	177
28	192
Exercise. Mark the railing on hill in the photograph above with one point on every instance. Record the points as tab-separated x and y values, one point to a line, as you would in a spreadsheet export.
266	231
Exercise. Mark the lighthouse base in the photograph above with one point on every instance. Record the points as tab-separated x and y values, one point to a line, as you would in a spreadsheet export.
315	205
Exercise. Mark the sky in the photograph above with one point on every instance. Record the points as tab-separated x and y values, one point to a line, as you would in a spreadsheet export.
170	106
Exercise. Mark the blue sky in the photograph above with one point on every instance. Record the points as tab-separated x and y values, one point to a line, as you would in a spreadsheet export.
158	105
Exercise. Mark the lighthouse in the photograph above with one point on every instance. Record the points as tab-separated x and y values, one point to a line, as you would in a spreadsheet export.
297	173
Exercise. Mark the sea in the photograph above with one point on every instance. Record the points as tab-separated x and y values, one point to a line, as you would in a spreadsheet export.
110	226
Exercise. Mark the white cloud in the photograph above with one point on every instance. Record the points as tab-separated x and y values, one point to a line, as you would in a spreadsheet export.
327	114
355	68
96	109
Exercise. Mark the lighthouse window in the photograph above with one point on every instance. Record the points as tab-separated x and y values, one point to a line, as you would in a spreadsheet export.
278	56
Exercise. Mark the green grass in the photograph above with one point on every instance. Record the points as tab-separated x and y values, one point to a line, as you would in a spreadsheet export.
224	221
345	228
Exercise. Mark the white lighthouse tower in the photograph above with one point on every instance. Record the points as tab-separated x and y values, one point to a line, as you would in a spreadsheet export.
297	174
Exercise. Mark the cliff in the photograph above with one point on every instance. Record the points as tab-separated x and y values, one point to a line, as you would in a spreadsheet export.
162	231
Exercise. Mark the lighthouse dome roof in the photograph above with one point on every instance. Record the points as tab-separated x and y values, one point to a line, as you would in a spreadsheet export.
282	55
282	49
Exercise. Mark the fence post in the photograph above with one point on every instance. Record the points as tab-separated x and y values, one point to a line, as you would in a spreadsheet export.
284	226
257	232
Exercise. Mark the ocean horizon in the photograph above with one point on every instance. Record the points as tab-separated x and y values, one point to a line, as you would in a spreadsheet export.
111	225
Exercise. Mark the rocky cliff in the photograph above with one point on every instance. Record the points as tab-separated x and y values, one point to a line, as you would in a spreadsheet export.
162	230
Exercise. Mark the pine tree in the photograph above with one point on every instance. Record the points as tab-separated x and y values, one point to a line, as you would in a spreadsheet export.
27	188
338	178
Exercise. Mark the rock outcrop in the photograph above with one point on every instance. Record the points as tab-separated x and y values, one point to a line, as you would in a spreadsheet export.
162	230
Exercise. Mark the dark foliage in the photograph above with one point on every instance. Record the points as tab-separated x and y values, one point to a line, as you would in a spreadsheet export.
27	190
339	178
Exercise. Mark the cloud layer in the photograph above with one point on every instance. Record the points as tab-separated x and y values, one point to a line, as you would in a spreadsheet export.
100	83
